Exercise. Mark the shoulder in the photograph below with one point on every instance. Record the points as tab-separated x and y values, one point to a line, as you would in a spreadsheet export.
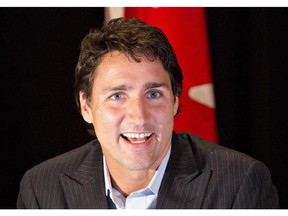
208	149
66	162
226	164
216	157
237	180
43	180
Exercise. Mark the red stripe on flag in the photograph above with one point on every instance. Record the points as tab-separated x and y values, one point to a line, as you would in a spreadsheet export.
187	32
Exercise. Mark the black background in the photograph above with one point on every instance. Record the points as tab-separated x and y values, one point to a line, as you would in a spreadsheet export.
249	54
39	120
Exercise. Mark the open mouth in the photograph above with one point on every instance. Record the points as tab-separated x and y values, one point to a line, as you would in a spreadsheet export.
136	138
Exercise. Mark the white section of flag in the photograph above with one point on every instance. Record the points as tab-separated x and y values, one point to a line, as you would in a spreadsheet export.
203	94
113	12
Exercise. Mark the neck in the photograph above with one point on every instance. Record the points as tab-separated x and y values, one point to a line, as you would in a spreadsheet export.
133	175
127	180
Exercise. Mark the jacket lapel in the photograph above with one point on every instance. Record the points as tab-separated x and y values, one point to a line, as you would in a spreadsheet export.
183	186
185	182
85	187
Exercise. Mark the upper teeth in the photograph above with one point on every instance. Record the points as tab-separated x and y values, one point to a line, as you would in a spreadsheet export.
137	135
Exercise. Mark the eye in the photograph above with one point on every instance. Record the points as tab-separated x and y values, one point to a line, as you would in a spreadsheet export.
153	94
116	96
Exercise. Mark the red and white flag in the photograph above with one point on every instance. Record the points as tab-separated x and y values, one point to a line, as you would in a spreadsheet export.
187	32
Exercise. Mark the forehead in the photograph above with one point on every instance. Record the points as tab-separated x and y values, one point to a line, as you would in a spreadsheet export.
116	67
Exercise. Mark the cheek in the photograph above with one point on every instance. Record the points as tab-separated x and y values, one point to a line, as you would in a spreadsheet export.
106	119
164	116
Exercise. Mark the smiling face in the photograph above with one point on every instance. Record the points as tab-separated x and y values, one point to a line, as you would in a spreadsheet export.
132	109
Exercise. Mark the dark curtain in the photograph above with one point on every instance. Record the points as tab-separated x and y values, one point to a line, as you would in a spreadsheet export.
39	120
249	54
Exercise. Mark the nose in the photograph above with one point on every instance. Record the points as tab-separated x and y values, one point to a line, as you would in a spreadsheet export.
137	112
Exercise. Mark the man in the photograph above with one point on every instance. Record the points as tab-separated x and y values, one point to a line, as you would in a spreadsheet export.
128	84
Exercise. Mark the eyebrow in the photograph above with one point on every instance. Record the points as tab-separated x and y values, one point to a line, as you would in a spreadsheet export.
148	85
118	88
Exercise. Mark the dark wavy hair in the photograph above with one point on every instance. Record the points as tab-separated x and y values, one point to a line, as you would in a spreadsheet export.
135	39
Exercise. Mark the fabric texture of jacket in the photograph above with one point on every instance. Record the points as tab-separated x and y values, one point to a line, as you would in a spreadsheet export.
198	175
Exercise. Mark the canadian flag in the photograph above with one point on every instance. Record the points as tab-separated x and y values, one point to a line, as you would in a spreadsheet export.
186	30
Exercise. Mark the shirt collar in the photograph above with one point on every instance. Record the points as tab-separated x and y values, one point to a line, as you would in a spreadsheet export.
155	182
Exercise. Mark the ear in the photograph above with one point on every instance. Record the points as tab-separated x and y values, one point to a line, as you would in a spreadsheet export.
176	105
85	108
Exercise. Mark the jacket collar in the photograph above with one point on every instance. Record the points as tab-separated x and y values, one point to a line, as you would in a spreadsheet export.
84	188
185	181
183	185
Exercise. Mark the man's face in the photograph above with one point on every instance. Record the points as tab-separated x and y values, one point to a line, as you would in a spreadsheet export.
132	108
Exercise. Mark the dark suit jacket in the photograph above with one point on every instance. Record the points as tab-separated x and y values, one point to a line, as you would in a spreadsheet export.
198	175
